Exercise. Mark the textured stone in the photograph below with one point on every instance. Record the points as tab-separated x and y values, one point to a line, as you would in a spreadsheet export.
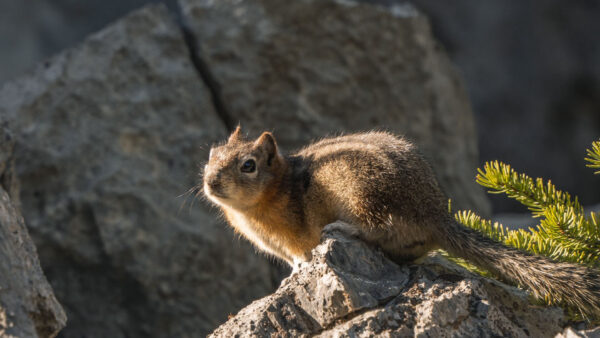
309	68
574	333
350	289
28	307
109	137
530	68
34	30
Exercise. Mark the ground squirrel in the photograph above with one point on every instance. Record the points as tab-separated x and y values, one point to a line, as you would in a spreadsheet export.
380	185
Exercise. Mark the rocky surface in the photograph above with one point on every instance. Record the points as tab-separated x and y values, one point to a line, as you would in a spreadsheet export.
350	289
28	307
37	29
109	137
574	333
310	68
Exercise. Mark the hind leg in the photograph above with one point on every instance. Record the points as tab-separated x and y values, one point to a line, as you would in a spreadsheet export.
405	243
400	240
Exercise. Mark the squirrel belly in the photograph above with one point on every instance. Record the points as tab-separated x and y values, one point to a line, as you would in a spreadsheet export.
384	189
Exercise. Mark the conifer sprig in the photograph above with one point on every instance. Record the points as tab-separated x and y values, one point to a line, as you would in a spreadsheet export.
562	217
535	195
537	240
594	156
564	233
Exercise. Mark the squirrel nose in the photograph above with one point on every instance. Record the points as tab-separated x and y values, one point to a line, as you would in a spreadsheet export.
214	183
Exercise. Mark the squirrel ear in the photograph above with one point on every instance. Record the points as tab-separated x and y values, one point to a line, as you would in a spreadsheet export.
266	141
236	135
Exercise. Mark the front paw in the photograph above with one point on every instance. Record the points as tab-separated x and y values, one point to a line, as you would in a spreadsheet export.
296	266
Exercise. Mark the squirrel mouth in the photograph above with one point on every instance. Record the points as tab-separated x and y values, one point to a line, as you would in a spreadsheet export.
214	191
218	195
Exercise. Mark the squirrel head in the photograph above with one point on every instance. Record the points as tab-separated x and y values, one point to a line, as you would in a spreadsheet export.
241	172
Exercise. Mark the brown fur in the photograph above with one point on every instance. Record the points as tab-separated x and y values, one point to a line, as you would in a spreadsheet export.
384	189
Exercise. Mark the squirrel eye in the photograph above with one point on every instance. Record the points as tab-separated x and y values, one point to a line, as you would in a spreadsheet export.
248	167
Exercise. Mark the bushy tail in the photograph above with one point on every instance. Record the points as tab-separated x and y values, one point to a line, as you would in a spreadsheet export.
573	284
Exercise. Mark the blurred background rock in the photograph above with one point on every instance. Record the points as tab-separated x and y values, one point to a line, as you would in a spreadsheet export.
108	134
531	70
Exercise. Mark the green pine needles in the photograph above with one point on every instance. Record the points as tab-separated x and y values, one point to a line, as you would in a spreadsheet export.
564	233
594	156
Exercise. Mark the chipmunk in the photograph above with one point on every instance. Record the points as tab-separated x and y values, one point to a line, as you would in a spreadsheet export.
384	190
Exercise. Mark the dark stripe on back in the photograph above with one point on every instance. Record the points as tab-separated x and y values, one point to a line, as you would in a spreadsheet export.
298	182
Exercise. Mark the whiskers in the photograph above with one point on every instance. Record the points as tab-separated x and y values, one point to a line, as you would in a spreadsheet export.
194	193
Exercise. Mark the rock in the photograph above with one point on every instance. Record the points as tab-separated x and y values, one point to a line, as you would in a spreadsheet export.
574	333
110	133
47	27
28	307
8	177
308	68
501	47
109	137
350	289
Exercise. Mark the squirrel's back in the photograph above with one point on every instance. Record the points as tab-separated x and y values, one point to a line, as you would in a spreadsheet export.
379	181
377	171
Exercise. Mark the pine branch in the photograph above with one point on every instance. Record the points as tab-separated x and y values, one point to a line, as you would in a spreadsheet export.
594	156
538	240
572	230
535	195
564	232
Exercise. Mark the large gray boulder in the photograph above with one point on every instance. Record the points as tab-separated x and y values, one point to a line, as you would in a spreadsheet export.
109	137
350	289
34	30
309	68
28	307
530	70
